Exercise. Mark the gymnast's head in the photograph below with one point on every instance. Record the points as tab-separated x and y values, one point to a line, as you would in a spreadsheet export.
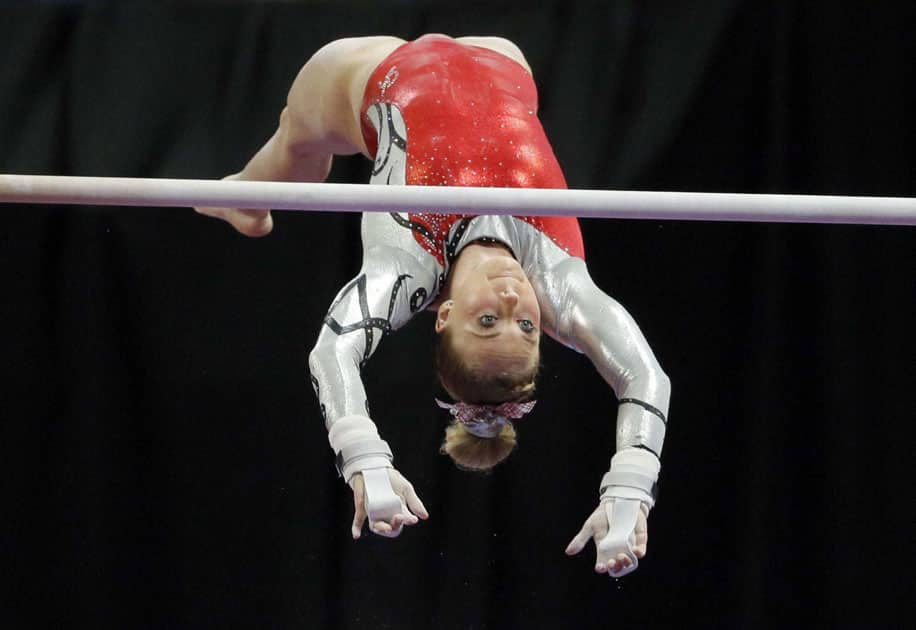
487	352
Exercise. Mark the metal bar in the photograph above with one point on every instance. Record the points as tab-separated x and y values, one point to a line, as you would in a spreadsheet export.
616	204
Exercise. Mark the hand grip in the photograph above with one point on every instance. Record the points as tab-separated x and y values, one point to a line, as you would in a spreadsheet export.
622	515
382	504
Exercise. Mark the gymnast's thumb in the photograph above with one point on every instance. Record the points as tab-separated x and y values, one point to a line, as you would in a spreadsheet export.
578	543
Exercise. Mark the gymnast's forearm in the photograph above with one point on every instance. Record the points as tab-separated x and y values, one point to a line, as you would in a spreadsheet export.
643	390
334	364
352	435
622	356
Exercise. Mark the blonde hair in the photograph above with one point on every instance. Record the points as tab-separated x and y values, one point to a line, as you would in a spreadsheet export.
474	384
470	452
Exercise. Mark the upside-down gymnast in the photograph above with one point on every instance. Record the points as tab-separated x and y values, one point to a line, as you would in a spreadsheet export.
459	112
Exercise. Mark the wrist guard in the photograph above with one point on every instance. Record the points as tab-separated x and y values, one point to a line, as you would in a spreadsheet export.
358	447
633	475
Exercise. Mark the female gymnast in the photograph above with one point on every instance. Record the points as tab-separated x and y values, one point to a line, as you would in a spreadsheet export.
459	112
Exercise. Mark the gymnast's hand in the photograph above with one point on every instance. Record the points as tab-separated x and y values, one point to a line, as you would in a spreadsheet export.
411	507
597	527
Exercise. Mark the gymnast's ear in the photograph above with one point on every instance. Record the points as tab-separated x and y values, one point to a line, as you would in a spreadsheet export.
442	314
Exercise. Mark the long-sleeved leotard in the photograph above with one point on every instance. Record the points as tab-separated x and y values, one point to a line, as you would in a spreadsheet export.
441	113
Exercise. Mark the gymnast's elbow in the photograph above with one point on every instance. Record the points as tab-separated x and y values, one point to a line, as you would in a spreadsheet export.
641	377
335	353
663	384
654	384
321	356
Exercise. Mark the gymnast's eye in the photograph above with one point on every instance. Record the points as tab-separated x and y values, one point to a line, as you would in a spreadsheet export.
526	325
487	321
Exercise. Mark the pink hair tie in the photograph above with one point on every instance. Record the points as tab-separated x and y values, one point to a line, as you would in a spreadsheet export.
486	421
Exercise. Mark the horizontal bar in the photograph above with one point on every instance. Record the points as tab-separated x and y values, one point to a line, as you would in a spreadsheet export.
609	204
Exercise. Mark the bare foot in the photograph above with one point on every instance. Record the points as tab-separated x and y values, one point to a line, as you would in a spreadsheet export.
254	223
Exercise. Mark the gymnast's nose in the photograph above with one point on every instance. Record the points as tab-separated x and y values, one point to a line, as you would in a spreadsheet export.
509	295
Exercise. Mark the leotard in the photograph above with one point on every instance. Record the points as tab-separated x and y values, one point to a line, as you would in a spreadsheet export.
438	112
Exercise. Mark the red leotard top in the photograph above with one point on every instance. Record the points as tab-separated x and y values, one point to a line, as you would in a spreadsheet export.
471	119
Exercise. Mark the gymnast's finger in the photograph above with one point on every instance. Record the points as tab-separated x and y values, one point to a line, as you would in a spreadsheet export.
359	507
399	520
642	535
639	549
359	517
621	562
604	560
579	541
414	503
406	518
384	529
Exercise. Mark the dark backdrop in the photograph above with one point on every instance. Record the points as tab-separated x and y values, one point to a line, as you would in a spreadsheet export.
163	459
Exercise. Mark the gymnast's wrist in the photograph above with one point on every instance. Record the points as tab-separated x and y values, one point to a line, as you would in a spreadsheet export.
357	446
358	457
633	475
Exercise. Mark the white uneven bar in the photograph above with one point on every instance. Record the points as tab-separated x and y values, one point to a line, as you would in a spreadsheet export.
616	204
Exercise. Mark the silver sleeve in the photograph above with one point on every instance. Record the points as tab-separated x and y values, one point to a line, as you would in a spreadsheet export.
580	315
389	289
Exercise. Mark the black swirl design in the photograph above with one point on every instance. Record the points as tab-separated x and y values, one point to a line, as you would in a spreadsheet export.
368	324
384	114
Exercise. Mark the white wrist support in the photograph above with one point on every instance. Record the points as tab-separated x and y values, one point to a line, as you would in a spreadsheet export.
633	475
348	429
358	446
356	442
381	502
359	449
362	456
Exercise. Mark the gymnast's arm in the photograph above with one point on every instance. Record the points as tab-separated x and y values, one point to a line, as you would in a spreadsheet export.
380	299
587	319
582	316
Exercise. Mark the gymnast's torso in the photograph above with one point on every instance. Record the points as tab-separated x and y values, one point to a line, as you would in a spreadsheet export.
429	120
439	112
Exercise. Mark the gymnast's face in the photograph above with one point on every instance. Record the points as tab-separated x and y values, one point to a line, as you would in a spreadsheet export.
493	314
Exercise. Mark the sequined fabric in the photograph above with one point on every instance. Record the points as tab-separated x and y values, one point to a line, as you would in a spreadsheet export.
470	119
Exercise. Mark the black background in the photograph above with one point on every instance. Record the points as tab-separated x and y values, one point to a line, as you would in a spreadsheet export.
163	459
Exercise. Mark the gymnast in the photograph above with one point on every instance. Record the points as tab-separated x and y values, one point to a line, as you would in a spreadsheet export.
459	112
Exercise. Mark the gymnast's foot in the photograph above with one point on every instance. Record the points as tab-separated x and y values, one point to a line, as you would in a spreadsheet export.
252	223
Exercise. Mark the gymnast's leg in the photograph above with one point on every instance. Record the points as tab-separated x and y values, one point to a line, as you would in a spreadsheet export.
320	120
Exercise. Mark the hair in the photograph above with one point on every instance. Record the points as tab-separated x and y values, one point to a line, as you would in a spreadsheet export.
473	384
470	452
